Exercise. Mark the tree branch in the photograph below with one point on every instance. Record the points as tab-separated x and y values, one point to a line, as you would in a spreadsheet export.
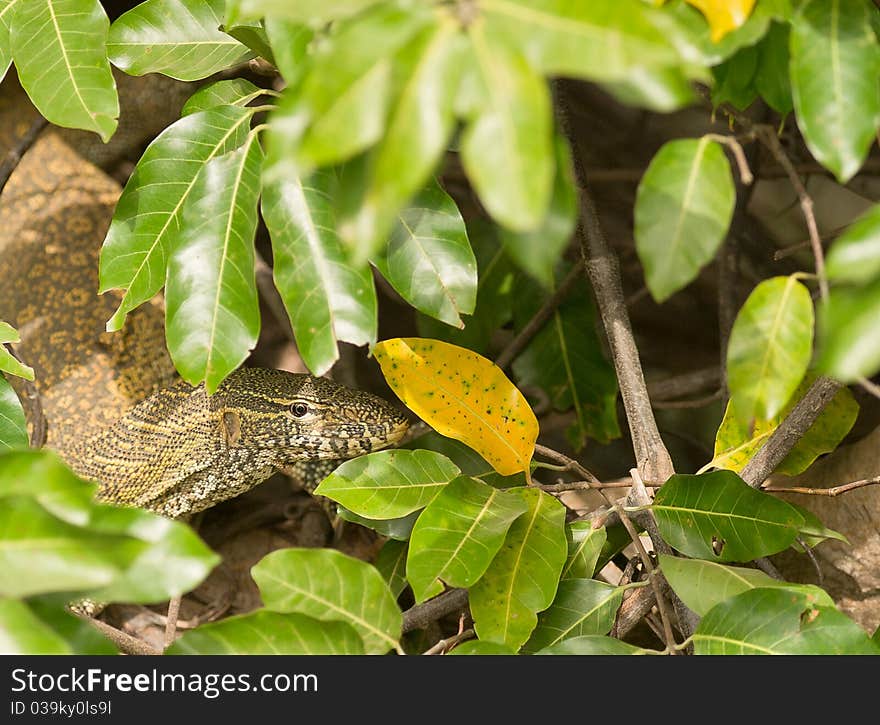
833	491
421	615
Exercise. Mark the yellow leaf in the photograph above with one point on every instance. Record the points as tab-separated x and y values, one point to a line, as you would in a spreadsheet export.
464	396
724	15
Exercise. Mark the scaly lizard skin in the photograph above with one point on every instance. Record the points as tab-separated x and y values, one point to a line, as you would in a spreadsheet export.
116	411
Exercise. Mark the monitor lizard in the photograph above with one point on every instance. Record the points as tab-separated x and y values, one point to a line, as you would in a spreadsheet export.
115	408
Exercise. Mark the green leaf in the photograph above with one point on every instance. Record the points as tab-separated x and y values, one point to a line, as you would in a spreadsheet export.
13	425
58	47
8	362
584	546
23	633
737	442
850	337
581	607
458	534
538	252
55	538
507	147
594	645
314	12
855	255
522	578
340	107
599	40
212	310
683	207
703	584
661	90
779	621
80	636
234	92
397	529
429	260
420	122
389	484
566	360
771	78
835	59
270	633
719	517
813	531
178	38
149	215
391	563
252	35
770	348
290	45
6	11
479	647
734	79
330	586
326	297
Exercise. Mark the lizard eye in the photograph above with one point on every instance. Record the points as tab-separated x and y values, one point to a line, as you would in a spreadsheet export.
298	410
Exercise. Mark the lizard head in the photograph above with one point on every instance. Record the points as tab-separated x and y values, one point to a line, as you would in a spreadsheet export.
301	417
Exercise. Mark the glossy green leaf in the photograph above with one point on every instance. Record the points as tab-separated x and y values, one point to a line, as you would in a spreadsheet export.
8	362
538	252
850	337
270	633
326	297
252	35
479	647
55	538
855	255
233	92
599	40
703	584
315	12
779	621
835	59
389	484
391	564
719	517
523	577
13	425
22	632
6	10
178	38
770	348
771	78
420	122
582	607
458	534
683	208
330	586
507	147
429	260
735	79
593	644
584	546
566	360
397	529
340	107
149	215
58	47
212	310
737	442
813	531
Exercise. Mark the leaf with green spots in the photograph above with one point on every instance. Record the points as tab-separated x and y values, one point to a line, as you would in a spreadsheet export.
8	362
391	563
523	577
330	586
718	517
388	484
584	546
270	633
59	52
429	260
849	347
582	607
855	254
233	92
779	621
13	425
770	348
464	396
458	534
835	59
594	645
737	442
178	38
212	312
683	208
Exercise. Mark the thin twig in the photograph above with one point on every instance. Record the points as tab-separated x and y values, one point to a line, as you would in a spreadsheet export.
171	620
518	343
421	615
685	384
745	173
585	485
567	463
870	387
833	491
17	152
